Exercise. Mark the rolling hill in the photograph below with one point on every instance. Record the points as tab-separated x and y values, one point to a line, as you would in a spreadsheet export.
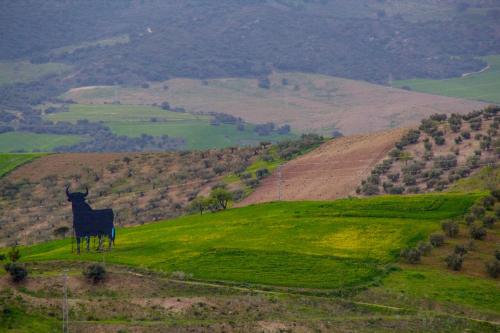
307	102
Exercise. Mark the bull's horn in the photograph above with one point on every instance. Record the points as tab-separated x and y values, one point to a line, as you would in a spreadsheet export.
86	191
67	190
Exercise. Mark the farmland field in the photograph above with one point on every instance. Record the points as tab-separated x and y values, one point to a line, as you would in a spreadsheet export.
301	244
23	71
9	162
307	102
28	142
132	121
484	86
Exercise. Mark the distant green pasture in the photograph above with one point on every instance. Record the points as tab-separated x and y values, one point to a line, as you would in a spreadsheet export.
484	86
28	142
134	120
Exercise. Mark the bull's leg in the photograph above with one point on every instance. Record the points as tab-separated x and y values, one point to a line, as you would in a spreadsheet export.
88	243
99	248
110	239
78	239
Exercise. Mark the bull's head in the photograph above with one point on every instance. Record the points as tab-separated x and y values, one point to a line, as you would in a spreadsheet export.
76	196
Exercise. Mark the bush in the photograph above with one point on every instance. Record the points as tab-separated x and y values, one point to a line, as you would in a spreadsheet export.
409	180
489	221
469	219
369	189
413	189
3	257
497	254
17	272
454	261
450	228
489	202
95	273
411	256
493	268
439	140
436	239
478	211
496	194
460	249
14	254
396	190
424	248
393	176
478	233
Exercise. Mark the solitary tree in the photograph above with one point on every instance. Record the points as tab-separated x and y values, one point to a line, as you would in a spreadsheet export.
221	196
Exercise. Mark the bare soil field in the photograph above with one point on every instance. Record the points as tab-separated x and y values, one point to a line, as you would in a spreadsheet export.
332	171
307	102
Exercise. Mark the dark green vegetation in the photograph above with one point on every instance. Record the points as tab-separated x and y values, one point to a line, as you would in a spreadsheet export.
482	86
9	162
131	44
302	245
22	71
199	131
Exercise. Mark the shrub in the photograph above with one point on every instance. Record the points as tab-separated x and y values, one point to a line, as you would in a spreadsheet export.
95	273
489	202
478	211
369	189
424	248
428	145
3	257
14	254
496	194
450	228
497	254
469	219
261	173
445	162
393	176
493	268
478	233
436	239
413	189
396	190
454	261
465	135
17	272
439	140
489	221
409	179
460	249
411	256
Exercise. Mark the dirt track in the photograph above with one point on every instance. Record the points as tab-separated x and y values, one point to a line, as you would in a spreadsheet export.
332	171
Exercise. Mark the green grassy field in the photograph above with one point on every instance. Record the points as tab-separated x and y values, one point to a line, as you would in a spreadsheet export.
133	120
23	71
28	142
485	179
324	245
9	162
484	86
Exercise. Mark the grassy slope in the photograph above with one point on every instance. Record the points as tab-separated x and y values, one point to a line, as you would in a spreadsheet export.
22	71
17	141
133	121
487	178
483	86
302	244
9	162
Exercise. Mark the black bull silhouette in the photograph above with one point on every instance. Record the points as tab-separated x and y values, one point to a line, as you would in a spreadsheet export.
90	223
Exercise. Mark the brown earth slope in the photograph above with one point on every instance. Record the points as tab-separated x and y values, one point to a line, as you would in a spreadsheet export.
332	171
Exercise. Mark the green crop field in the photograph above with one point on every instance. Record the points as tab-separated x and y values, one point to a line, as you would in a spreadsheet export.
23	71
9	162
133	120
325	245
484	86
29	142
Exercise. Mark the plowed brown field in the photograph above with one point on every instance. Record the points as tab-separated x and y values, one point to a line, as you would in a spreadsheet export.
332	171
